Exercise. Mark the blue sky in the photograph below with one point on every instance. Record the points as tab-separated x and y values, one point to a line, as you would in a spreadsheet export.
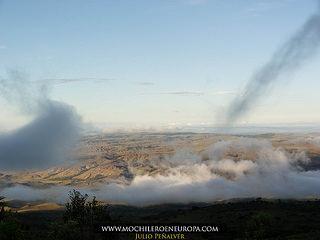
162	62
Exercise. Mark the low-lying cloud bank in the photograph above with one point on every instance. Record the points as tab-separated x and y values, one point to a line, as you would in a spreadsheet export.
232	169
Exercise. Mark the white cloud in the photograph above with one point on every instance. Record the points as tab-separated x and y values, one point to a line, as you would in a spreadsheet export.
185	93
222	93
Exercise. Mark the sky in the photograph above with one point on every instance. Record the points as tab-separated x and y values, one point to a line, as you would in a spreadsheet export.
154	63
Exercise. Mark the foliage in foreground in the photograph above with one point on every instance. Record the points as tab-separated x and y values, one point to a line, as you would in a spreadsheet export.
80	218
253	219
9	226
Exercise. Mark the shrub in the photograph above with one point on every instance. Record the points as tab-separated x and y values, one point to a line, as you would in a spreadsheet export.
258	225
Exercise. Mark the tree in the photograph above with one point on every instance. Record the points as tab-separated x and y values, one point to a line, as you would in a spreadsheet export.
80	217
2	210
10	228
85	212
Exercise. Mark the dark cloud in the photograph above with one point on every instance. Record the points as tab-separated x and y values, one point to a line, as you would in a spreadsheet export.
288	58
48	138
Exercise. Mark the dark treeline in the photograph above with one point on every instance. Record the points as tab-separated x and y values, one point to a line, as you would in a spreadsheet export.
82	216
